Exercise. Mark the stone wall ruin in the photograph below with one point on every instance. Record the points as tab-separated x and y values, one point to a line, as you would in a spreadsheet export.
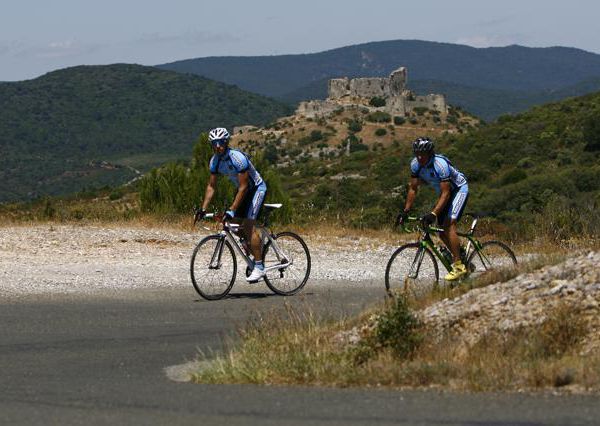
344	92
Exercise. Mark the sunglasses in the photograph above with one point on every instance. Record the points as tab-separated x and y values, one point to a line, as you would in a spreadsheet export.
218	142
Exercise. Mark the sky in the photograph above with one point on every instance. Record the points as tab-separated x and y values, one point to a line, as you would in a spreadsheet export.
38	36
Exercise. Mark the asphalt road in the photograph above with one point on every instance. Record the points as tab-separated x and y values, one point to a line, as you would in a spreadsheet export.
101	359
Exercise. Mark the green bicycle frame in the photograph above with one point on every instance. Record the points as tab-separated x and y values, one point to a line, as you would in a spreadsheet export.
473	245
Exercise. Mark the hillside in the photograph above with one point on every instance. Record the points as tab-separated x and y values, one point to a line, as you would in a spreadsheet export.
98	125
518	70
541	166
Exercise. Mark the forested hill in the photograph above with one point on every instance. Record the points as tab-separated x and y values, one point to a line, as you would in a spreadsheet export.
540	168
504	68
91	125
545	161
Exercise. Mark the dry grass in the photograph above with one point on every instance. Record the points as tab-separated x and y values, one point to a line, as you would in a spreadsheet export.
307	351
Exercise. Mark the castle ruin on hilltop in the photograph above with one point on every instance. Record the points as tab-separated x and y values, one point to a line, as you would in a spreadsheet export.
346	93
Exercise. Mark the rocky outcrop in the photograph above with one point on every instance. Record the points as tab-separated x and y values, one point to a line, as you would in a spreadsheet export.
523	301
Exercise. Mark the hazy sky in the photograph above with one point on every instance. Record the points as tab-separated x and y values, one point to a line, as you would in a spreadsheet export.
37	36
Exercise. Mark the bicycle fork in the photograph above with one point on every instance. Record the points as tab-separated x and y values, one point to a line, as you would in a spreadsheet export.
416	264
215	261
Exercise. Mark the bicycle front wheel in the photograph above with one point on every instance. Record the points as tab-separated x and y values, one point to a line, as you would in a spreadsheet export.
213	267
291	252
493	256
412	268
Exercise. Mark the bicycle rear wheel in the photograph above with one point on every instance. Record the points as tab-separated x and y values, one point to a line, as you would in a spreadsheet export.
412	268
493	256
292	251
213	267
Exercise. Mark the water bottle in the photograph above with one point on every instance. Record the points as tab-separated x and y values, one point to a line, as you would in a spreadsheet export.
445	253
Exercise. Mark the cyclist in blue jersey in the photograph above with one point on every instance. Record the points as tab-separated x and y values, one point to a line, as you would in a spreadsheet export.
453	191
251	191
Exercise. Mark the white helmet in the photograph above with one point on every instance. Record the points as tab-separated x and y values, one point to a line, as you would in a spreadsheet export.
219	134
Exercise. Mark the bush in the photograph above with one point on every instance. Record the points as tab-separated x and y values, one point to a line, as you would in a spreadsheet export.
115	195
373	217
316	135
377	102
591	133
513	176
380	132
399	121
359	146
452	119
398	328
379	117
270	154
355	126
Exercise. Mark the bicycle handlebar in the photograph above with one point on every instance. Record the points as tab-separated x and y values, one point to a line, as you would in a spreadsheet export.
220	218
419	227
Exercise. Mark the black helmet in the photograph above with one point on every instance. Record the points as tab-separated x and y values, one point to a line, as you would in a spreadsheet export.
422	145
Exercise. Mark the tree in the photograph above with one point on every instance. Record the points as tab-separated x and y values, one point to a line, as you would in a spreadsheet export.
591	133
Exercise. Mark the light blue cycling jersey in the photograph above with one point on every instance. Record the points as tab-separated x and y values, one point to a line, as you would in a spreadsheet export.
232	162
438	169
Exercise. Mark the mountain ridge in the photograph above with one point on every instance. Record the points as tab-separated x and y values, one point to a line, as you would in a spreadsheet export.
511	67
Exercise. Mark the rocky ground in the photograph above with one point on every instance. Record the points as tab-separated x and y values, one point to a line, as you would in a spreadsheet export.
524	301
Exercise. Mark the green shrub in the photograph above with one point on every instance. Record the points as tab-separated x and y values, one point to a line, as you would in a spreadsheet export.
513	176
377	102
115	195
379	117
591	133
355	126
452	119
525	163
270	154
399	121
398	328
373	217
380	132
316	135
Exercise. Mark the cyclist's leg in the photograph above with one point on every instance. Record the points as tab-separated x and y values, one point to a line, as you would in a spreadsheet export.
253	209
240	218
453	214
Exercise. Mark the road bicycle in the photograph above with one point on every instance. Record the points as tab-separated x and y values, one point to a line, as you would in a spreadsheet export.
414	267
213	265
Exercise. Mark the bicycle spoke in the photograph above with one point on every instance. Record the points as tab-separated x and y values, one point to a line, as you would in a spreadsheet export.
492	256
411	268
213	268
288	248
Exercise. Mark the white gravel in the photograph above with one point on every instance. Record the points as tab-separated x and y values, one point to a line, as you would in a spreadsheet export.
84	259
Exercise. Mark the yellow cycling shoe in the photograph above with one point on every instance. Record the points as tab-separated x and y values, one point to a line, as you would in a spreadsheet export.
458	271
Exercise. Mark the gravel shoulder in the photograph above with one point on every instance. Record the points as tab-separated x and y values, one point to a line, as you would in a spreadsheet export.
58	258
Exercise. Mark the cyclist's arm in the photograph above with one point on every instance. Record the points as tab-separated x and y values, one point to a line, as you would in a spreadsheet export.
445	191
210	191
413	185
239	197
